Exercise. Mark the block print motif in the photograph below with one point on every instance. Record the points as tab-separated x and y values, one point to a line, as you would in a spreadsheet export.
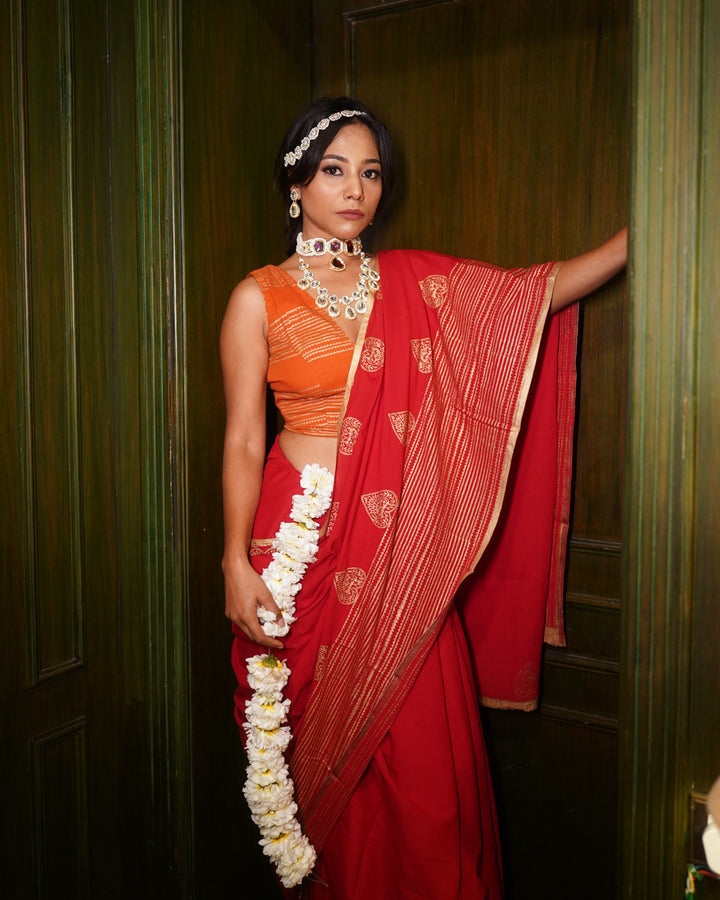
422	351
402	423
434	290
525	683
381	507
373	355
320	662
348	435
348	584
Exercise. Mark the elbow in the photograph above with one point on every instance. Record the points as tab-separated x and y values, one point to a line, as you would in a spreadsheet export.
244	451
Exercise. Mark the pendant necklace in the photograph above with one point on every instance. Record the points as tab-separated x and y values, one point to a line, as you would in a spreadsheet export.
354	304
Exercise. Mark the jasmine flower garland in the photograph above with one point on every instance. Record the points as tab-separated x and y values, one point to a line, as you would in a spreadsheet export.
269	789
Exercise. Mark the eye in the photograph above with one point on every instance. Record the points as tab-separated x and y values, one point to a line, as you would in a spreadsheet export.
332	170
372	174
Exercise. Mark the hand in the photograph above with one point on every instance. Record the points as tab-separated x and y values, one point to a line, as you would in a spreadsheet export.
244	592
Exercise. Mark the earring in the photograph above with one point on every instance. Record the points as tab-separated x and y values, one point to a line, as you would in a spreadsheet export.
294	206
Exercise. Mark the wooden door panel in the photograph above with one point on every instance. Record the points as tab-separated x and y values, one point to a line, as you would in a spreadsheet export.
60	580
511	126
49	350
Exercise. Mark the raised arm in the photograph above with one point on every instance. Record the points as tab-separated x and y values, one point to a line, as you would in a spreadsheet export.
584	274
244	355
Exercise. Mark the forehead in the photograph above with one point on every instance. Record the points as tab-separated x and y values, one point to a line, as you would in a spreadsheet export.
354	141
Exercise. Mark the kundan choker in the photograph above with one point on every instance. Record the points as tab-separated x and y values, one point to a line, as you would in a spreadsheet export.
355	304
320	246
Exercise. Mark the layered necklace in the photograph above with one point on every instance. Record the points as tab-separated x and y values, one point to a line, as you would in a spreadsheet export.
354	304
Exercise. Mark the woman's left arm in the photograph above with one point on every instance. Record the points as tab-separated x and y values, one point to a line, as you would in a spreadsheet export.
584	274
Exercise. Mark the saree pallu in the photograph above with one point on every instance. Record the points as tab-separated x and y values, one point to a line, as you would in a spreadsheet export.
434	402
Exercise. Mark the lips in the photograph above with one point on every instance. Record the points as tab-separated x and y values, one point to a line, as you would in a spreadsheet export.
351	213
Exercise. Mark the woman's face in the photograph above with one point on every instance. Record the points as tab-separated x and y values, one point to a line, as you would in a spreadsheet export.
344	193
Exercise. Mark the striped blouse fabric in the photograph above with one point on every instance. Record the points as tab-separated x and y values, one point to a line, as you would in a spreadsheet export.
310	356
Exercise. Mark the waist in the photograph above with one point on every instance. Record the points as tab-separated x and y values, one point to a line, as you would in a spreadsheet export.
303	449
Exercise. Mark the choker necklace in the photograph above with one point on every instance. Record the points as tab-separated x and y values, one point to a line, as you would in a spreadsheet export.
320	246
355	304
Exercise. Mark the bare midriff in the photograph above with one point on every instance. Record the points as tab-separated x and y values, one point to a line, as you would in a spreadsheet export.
303	449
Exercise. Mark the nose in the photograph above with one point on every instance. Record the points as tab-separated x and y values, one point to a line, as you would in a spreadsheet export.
354	187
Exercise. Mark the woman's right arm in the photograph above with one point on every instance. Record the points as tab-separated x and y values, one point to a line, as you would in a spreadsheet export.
244	356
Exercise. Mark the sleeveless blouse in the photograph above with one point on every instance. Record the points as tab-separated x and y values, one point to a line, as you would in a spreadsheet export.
310	356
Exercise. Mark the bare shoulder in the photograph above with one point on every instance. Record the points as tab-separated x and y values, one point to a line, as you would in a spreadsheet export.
246	297
245	311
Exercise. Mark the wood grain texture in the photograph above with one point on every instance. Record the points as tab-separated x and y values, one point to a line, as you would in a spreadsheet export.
705	737
50	416
72	348
671	689
246	73
60	783
59	578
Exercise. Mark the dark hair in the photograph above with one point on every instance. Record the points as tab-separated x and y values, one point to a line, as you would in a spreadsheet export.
303	171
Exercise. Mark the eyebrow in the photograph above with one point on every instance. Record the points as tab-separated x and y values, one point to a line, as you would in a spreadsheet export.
345	159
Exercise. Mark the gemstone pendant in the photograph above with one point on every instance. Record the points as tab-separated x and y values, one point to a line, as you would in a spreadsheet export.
350	313
333	310
336	264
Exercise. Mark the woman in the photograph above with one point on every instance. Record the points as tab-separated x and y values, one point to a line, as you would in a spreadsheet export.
412	394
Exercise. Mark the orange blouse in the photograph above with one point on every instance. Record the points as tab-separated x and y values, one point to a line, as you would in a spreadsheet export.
310	356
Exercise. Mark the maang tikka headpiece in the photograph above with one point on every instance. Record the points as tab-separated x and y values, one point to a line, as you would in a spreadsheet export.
295	155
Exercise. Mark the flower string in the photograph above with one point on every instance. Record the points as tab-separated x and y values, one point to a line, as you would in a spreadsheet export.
269	789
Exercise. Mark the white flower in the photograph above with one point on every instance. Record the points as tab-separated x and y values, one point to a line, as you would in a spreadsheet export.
283	847
273	630
271	796
265	777
280	581
269	788
268	738
265	757
298	541
275	823
267	672
316	479
265	713
306	507
293	855
293	871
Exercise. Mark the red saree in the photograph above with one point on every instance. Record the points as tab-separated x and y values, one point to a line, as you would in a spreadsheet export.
388	759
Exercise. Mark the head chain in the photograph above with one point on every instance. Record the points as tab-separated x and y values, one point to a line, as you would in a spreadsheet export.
295	155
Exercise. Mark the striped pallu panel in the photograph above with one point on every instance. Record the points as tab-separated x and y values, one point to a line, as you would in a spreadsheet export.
424	455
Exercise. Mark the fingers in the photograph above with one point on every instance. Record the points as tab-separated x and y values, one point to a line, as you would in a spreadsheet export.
255	632
248	603
245	616
256	625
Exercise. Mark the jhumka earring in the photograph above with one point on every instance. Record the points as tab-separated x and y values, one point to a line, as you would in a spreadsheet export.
294	206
